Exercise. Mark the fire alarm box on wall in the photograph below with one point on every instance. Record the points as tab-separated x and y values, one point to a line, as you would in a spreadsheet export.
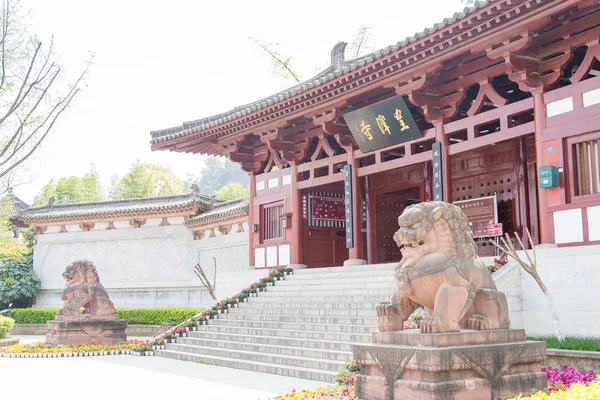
548	177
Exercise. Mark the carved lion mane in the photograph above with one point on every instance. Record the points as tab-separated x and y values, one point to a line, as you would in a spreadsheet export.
83	289
434	227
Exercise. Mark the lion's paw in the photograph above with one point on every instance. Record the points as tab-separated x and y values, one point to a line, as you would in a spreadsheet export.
478	322
432	324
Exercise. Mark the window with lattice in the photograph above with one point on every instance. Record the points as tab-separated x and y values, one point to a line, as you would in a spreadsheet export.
272	221
586	173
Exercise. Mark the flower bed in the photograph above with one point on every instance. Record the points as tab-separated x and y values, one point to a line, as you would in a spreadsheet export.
43	350
499	262
563	384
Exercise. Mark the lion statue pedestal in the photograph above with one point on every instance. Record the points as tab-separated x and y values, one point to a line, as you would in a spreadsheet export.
98	323
465	349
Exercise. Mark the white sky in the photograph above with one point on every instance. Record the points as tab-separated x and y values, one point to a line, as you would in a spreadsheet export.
158	64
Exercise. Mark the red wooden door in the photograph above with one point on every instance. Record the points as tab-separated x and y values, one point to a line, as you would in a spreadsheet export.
388	208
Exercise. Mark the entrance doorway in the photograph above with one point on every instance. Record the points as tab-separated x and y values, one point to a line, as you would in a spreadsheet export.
388	207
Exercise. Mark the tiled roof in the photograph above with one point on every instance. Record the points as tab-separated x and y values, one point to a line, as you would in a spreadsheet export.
17	205
336	69
193	202
225	211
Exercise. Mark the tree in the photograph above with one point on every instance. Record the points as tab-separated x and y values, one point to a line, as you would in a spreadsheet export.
6	228
72	189
232	191
216	173
280	65
33	93
147	180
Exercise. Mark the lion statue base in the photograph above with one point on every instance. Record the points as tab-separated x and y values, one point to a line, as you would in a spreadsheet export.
88	314
465	348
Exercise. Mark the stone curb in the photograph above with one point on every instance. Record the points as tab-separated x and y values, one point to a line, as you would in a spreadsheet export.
81	354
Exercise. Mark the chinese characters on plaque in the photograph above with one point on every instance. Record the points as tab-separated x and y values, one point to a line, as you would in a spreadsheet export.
437	171
382	124
348	204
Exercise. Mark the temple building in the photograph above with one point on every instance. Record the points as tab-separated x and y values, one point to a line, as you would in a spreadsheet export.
496	109
146	249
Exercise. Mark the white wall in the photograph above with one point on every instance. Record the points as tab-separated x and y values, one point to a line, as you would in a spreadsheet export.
151	266
572	276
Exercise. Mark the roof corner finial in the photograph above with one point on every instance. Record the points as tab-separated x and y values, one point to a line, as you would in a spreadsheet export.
195	189
337	55
212	202
51	201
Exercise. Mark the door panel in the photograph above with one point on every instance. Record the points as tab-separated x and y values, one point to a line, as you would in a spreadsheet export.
388	208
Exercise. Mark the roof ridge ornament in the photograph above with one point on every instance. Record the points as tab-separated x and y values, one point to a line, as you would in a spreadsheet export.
337	55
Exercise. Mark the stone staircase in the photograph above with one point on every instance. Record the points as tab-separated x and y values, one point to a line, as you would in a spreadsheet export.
303	327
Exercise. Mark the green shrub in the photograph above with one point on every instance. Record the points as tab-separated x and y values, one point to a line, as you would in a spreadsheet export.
143	316
156	316
570	343
6	325
32	315
18	282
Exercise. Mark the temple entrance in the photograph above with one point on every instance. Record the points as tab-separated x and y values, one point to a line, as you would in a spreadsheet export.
388	208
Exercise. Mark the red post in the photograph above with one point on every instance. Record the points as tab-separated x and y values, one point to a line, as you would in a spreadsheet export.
539	116
296	247
354	252
251	221
441	137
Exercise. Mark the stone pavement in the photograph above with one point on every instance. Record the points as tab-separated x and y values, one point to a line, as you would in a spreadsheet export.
130	377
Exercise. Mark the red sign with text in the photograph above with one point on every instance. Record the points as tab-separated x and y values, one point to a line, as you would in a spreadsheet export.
494	229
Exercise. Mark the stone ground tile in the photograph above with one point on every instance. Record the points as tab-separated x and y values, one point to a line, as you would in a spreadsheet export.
128	377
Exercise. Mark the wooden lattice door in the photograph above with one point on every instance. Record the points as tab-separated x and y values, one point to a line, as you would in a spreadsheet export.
388	208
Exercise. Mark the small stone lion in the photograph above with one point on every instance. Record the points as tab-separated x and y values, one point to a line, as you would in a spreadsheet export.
83	289
441	271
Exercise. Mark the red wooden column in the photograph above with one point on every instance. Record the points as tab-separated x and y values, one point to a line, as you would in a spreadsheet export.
296	247
251	221
440	136
539	116
354	252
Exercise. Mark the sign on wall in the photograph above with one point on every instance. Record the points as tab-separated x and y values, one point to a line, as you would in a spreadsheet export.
437	171
327	208
348	204
482	214
382	124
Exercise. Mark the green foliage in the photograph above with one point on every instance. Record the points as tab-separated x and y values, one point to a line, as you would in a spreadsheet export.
362	43
146	180
142	316
72	189
18	282
347	375
279	64
6	325
32	315
6	228
232	191
570	343
216	173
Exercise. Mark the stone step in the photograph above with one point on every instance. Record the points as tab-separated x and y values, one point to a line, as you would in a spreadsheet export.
294	293
316	311
325	284
345	280
270	358
292	304
354	268
278	369
334	345
366	273
303	326
301	319
322	298
300	351
345	337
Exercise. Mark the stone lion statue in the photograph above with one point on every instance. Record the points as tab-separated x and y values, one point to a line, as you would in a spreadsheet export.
441	271
83	289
